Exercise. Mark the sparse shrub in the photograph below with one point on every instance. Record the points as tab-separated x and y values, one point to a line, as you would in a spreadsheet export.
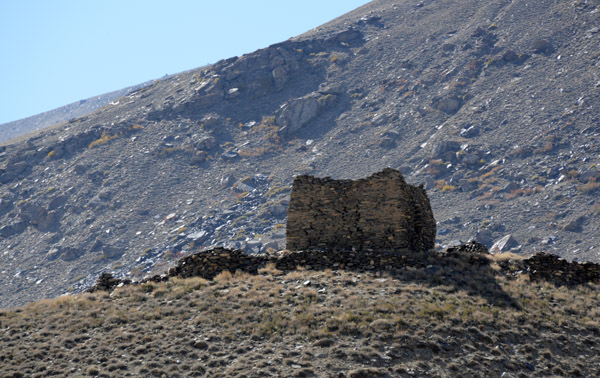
253	152
224	276
547	147
437	167
239	196
490	172
572	174
104	138
276	189
407	94
588	188
92	371
524	192
270	269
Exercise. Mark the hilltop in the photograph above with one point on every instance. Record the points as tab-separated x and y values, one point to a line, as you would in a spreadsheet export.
491	105
439	320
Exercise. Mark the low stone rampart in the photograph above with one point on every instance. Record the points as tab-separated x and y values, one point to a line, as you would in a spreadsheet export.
208	264
547	267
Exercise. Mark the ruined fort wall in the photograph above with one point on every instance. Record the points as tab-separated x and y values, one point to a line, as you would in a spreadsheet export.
380	212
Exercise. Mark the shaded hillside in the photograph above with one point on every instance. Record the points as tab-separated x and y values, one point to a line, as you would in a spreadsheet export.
20	128
437	321
492	105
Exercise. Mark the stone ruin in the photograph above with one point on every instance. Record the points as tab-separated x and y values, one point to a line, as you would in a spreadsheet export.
379	223
381	212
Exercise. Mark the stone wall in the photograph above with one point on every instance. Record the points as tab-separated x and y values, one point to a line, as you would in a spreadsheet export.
552	268
208	264
381	212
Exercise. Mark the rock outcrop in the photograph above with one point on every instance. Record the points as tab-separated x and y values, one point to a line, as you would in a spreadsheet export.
381	212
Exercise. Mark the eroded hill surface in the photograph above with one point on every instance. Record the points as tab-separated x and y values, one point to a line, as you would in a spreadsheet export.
492	105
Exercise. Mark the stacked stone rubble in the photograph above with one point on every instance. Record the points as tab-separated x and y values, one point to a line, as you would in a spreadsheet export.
210	263
381	212
547	267
106	282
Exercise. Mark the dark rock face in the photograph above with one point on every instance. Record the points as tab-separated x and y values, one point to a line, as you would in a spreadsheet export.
380	212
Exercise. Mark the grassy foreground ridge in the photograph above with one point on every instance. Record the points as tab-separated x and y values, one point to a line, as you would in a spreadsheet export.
413	322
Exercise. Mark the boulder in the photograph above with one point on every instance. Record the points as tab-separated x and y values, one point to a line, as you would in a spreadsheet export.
573	225
506	243
112	252
469	159
5	205
13	229
542	46
484	237
448	104
49	222
70	253
253	246
296	113
468	185
445	150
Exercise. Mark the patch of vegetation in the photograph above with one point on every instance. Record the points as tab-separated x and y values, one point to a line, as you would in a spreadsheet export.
589	187
524	192
277	189
104	138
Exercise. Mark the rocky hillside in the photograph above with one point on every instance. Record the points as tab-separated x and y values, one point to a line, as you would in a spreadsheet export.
492	105
20	128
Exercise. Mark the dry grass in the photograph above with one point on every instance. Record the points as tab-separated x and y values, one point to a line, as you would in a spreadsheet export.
417	322
104	138
506	256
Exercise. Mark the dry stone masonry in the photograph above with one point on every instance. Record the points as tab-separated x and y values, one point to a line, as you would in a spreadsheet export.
208	264
381	212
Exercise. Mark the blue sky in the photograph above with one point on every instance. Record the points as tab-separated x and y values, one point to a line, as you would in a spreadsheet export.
61	51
